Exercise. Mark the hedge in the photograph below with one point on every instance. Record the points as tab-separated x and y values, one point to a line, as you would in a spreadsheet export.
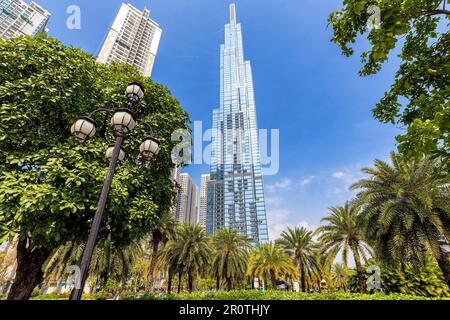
280	295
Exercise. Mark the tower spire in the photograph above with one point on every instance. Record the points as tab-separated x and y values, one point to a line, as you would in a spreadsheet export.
232	13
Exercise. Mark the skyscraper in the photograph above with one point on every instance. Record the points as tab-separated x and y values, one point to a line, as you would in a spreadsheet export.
20	18
203	200
187	200
236	192
133	39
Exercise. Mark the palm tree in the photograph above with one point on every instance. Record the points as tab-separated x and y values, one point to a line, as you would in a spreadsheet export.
299	244
270	261
108	261
343	232
168	259
406	209
163	231
322	269
229	258
188	253
339	276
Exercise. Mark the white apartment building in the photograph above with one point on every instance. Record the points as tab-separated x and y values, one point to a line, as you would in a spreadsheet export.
20	18
133	39
187	200
204	200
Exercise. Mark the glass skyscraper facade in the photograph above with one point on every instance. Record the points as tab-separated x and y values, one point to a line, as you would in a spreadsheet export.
236	190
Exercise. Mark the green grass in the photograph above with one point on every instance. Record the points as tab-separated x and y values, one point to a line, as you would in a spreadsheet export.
281	295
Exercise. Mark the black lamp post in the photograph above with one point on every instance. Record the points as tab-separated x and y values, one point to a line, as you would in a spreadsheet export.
123	122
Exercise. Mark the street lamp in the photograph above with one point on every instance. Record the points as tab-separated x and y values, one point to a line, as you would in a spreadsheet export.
123	122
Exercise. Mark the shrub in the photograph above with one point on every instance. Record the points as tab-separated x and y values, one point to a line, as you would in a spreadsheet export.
420	280
279	295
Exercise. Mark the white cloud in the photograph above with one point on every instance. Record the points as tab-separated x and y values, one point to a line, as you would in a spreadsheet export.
273	201
305	181
279	186
339	175
347	177
276	221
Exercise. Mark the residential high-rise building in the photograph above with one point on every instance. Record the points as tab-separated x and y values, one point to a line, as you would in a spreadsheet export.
187	200
203	200
20	18
133	39
175	177
236	191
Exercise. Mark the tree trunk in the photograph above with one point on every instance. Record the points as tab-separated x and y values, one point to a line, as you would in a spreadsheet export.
29	270
151	270
302	275
273	280
229	284
190	282
217	283
361	282
169	283
179	281
444	264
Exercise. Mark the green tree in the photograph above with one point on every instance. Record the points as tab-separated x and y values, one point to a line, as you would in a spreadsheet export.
188	253
270	261
343	232
299	244
339	276
419	97
163	231
406	208
229	257
108	262
50	184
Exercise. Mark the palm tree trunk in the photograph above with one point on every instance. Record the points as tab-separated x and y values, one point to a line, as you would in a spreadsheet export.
151	270
361	282
169	283
190	282
444	265
273	280
229	284
180	274
302	276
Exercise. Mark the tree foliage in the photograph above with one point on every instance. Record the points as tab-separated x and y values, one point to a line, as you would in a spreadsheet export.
50	184
405	210
419	97
229	262
300	246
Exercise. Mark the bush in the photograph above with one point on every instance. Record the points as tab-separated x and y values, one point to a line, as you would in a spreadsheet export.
420	280
66	296
279	295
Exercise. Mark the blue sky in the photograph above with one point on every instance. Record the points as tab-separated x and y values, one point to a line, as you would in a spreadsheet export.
304	87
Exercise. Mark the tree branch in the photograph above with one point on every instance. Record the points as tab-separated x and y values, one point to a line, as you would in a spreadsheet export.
432	12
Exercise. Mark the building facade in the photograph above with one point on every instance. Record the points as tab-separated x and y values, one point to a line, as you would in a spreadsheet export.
203	200
133	39
20	18
236	191
187	200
